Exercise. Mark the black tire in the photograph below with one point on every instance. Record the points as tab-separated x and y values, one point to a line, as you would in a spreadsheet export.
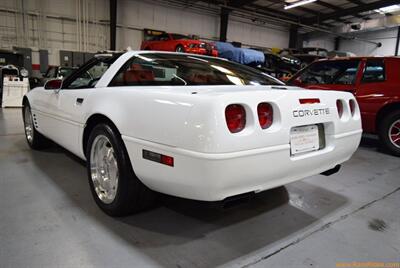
34	139
179	48
131	194
384	129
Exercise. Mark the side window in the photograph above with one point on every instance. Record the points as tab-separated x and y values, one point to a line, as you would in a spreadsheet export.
140	72
164	37
88	77
347	77
155	38
374	71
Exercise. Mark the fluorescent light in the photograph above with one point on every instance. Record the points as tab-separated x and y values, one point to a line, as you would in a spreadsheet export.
388	9
299	3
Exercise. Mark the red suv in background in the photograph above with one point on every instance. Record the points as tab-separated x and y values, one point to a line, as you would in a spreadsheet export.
179	43
375	81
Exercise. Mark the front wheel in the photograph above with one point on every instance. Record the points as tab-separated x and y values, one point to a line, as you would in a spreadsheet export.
179	48
113	183
35	140
389	132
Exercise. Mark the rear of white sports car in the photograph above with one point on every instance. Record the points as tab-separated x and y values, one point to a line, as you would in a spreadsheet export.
190	126
249	139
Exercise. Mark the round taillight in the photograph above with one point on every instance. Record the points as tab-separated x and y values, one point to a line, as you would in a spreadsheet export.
265	115
352	104
339	106
235	116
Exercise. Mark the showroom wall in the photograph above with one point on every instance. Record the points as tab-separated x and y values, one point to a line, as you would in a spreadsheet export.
386	36
52	25
136	15
320	40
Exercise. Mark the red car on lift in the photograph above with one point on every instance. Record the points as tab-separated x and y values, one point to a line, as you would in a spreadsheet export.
179	43
375	81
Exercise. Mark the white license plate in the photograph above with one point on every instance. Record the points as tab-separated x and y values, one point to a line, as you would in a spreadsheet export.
304	139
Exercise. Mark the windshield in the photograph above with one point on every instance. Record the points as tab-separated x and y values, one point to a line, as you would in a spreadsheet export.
328	72
181	70
64	72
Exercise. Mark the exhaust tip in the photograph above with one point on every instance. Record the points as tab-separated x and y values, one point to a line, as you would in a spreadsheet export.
237	199
331	171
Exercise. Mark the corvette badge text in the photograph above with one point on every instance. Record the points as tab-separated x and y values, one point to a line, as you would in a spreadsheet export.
312	112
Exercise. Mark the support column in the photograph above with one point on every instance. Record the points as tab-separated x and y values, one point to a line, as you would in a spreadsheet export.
337	43
223	29
396	53
293	36
113	24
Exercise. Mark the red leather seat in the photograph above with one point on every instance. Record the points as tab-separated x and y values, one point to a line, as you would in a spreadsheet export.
136	74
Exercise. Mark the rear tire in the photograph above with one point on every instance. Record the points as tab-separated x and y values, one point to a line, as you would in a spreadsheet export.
389	132
34	139
113	183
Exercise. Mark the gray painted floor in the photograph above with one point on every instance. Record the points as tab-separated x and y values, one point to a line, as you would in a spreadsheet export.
48	218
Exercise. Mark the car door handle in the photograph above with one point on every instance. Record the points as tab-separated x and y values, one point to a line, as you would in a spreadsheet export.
79	101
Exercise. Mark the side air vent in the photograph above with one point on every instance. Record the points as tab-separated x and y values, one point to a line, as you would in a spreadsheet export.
35	121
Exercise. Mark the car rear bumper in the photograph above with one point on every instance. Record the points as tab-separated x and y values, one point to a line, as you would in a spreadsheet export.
216	176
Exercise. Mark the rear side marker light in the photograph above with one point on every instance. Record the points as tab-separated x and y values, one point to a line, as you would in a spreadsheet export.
235	116
309	101
265	115
159	158
339	106
352	105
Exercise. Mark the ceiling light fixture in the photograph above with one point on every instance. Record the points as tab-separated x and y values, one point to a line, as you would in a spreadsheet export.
299	3
388	9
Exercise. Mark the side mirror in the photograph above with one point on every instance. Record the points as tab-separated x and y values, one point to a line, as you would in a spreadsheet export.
54	84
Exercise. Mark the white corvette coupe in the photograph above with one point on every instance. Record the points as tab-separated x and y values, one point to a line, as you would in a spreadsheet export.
190	126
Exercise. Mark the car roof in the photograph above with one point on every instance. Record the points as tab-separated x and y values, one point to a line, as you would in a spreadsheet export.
143	52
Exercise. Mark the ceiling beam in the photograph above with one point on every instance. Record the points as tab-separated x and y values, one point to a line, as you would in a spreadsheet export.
336	8
359	3
311	11
275	12
350	11
240	3
327	5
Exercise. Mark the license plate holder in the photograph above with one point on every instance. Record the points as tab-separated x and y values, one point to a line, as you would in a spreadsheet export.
304	139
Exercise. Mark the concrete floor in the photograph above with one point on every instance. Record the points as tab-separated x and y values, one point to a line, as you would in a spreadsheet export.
48	217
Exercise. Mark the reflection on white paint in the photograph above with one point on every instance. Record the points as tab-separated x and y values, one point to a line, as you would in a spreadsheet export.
195	58
174	103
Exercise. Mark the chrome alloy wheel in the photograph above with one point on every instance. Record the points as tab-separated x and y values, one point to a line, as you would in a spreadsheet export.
28	124
394	133
104	169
